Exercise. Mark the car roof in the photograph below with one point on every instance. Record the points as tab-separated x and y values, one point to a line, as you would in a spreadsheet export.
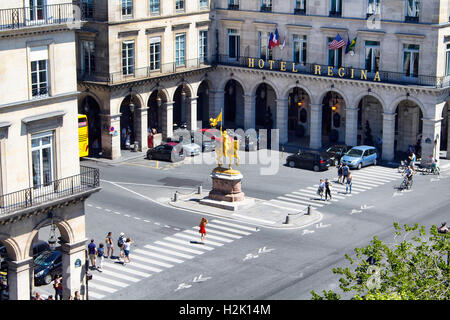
172	144
363	147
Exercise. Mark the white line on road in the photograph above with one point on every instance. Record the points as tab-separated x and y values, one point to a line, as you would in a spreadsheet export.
188	236
151	261
171	252
228	229
128	269
160	256
187	243
192	232
174	246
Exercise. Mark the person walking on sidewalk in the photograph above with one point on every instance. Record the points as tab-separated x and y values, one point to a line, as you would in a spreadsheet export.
202	230
126	250
349	183
92	251
321	189
327	189
109	246
120	244
100	256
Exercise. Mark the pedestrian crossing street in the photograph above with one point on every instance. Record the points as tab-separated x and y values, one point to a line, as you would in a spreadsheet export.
363	180
162	255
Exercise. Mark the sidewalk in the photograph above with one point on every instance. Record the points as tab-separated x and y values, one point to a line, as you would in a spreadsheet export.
127	155
258	214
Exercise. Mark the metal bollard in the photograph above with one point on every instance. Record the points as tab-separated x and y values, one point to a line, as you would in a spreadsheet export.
287	220
199	190
135	146
175	196
308	212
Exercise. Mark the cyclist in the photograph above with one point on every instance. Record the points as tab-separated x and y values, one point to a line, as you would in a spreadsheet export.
434	166
409	173
412	160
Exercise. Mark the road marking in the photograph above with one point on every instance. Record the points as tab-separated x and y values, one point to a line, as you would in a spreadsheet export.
142	266
202	246
146	221
120	275
99	208
108	281
188	236
101	288
300	196
137	218
229	229
245	217
116	212
179	247
107	210
303	202
95	295
209	236
371	178
281	207
311	192
128	269
160	256
152	261
171	252
226	234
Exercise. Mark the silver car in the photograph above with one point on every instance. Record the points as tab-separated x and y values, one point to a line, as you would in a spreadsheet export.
191	149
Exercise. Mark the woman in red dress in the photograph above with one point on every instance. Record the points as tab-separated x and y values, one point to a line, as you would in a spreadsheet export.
202	229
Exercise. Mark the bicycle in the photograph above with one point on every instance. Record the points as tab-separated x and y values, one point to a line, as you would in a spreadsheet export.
406	183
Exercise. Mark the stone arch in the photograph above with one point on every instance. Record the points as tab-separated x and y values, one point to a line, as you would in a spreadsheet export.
224	82
204	102
299	112
285	94
394	104
265	104
128	129
362	94
13	249
267	82
180	106
370	116
85	94
233	102
335	90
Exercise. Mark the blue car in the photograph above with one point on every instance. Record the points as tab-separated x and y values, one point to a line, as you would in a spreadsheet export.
360	156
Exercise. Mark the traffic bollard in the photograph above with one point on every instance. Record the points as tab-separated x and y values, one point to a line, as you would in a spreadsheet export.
175	196
287	220
199	190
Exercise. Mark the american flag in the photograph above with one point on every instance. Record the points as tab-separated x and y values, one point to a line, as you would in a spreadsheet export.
337	43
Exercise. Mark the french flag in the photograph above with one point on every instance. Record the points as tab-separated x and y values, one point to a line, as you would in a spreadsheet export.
274	39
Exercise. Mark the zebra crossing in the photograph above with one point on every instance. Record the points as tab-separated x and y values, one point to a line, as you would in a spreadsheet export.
363	180
162	255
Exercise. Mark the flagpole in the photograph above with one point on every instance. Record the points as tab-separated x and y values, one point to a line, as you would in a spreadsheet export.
221	120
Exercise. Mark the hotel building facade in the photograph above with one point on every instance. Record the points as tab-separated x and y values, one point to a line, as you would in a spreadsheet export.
181	61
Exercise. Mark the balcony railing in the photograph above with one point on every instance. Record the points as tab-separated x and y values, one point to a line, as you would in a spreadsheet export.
266	8
233	6
344	73
300	11
88	179
146	72
25	17
335	13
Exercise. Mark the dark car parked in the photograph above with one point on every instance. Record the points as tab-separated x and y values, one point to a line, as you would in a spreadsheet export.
46	266
169	151
309	160
336	152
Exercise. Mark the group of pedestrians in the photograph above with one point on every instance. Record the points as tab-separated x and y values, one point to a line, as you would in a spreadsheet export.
345	176
37	296
97	255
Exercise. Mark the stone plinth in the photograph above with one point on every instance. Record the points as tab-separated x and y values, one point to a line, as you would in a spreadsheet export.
226	185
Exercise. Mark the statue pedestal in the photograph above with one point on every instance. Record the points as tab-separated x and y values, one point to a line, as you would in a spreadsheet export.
226	185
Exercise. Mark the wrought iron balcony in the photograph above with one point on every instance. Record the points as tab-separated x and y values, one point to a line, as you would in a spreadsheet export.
40	15
335	14
146	72
349	73
88	179
233	6
265	8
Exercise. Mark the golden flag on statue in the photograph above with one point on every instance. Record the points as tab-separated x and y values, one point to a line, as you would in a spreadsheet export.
213	122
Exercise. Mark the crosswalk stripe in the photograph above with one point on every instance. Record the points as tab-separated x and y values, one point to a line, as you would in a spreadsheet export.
308	196
101	288
245	233
342	189
188	236
367	182
383	169
187	243
120	275
312	194
98	277
298	207
233	225
151	261
93	294
144	267
393	174
278	206
304	197
209	236
304	202
342	185
171	252
371	178
156	255
229	235
178	247
128	269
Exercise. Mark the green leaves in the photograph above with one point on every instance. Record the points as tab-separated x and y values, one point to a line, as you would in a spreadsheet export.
412	267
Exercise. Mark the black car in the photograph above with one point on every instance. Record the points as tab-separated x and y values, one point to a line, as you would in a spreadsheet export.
336	152
169	151
309	160
46	266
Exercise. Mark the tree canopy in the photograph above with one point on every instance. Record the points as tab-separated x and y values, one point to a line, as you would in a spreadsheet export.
414	267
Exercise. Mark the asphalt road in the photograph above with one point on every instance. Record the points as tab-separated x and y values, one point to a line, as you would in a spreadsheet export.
242	261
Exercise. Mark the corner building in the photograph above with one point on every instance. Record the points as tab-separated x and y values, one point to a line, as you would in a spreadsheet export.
178	62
